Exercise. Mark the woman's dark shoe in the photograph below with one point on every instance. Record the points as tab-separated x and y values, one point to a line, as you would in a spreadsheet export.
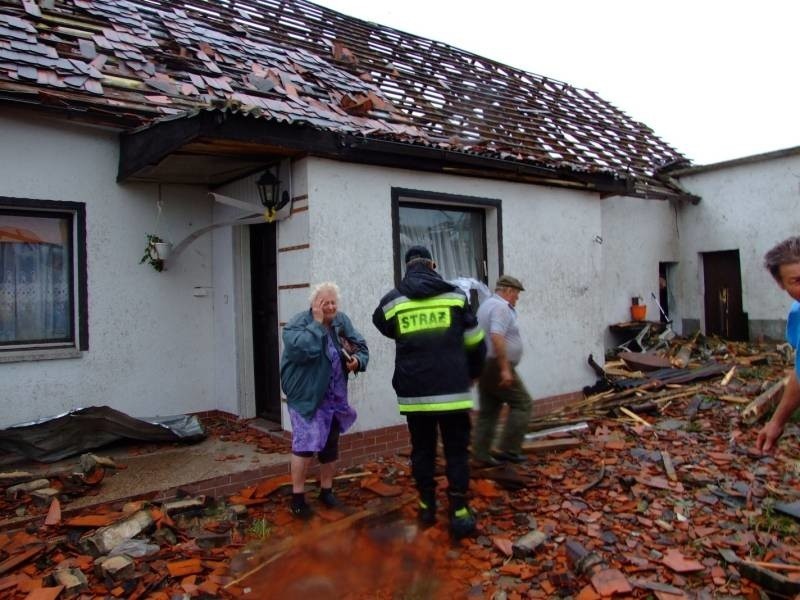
328	499
301	510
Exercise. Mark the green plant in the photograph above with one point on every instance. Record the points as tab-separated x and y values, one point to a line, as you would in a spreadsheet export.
150	255
693	427
260	529
770	521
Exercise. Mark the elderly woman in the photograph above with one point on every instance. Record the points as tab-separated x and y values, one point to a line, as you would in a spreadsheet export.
320	348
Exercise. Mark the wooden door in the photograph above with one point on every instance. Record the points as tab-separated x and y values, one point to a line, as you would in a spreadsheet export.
723	295
264	286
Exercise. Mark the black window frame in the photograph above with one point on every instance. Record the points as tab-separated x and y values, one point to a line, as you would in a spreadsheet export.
424	199
76	212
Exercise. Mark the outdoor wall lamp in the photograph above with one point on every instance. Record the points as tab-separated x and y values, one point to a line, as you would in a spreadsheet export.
269	191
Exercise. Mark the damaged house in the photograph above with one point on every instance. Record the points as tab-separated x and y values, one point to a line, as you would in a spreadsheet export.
127	119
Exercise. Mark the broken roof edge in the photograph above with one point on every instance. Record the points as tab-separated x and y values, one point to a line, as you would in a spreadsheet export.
143	148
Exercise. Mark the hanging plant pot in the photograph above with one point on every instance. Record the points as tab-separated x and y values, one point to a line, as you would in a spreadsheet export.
162	250
152	255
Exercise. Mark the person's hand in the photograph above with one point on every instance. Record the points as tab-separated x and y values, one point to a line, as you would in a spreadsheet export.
316	309
769	434
506	377
352	364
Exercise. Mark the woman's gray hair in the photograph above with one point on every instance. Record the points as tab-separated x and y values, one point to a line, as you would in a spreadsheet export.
325	286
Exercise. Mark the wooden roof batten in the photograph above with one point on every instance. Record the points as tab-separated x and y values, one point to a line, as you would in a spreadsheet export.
137	63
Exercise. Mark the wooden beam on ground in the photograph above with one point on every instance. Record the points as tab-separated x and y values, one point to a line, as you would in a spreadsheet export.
763	403
542	446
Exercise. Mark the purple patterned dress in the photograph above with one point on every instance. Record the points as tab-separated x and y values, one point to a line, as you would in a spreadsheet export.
310	436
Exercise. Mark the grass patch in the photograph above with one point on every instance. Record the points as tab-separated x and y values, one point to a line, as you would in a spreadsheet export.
259	529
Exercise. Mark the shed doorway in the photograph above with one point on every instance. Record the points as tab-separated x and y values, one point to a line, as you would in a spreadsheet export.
723	295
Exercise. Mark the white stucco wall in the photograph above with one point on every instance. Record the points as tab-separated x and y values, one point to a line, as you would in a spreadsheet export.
637	235
747	207
548	242
150	337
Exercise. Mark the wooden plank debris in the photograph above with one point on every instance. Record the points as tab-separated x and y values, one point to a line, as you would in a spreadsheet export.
635	417
669	469
542	446
754	411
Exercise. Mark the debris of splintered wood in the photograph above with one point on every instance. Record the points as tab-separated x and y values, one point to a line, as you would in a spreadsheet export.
754	411
728	376
635	417
107	538
764	574
30	486
582	426
669	469
542	446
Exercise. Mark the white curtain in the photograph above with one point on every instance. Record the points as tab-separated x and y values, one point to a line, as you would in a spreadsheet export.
454	237
34	292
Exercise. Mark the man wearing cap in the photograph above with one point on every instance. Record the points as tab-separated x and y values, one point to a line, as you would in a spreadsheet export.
499	383
439	352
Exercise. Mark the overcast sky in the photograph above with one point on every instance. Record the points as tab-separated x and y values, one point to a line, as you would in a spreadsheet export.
716	80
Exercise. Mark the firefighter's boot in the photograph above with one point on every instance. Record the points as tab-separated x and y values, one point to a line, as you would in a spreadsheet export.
427	508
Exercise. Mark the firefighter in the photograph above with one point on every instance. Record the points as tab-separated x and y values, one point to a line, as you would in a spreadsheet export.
439	353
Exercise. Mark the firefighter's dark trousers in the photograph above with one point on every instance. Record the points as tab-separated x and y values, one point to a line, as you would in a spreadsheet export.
455	428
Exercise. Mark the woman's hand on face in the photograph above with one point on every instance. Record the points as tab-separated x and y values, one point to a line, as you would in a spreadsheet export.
316	309
352	364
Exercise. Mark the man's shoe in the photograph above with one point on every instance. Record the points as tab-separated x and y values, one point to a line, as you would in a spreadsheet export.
462	523
512	457
486	462
301	511
328	499
427	514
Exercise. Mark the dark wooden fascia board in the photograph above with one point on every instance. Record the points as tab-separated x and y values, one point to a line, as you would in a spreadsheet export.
148	146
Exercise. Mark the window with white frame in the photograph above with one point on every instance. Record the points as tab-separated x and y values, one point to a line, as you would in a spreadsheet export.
42	276
462	233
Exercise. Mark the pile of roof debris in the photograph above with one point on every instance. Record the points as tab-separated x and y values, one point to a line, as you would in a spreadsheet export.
645	490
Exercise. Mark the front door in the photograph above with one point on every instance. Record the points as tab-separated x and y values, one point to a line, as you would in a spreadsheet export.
723	295
264	285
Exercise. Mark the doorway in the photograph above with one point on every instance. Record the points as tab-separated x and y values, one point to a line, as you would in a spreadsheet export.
723	295
264	292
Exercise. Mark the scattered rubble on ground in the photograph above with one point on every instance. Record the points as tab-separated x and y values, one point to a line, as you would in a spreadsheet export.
649	488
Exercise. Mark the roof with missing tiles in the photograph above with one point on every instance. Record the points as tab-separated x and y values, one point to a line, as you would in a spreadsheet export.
135	63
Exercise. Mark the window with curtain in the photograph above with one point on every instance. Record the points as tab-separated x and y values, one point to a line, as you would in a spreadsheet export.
36	278
454	235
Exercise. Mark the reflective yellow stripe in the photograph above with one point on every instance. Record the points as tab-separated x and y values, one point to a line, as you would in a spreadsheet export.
473	337
443	300
422	319
438	407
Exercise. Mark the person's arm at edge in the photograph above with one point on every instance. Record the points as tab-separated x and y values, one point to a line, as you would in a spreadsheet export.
773	430
499	343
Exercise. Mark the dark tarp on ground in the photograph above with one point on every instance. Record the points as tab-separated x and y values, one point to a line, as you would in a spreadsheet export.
49	440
